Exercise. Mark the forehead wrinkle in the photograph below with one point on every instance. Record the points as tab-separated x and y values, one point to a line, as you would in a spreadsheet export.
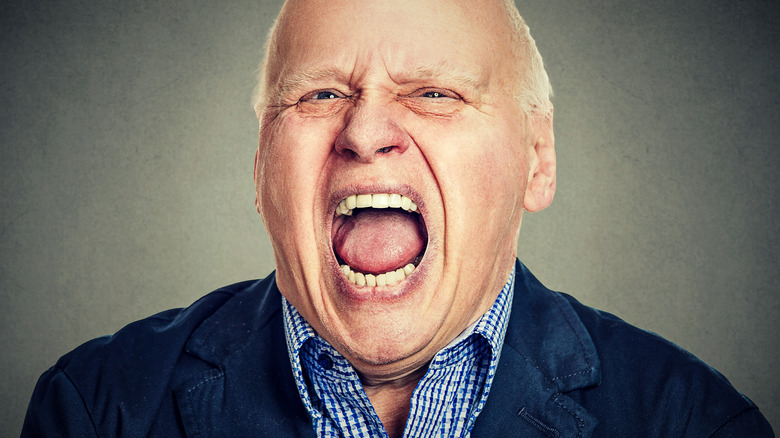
439	74
448	72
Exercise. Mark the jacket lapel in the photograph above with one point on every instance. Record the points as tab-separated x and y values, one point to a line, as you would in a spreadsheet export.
547	352
250	389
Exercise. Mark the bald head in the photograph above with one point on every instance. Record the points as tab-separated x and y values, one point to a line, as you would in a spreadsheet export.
500	18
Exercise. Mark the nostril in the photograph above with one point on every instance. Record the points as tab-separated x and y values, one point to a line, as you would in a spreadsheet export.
384	150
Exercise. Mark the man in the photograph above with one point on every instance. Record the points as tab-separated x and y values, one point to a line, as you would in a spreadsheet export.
399	144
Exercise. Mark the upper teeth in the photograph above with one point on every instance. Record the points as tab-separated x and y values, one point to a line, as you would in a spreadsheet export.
376	200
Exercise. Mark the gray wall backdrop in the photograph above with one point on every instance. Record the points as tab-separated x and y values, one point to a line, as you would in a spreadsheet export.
126	171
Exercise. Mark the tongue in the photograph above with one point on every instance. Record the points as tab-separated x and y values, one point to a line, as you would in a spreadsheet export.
377	241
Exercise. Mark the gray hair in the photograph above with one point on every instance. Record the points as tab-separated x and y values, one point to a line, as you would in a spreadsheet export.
533	86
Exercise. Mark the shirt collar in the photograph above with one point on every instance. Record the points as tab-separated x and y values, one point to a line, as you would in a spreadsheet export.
491	326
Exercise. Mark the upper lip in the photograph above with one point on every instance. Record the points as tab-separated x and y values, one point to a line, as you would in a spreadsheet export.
375	200
401	189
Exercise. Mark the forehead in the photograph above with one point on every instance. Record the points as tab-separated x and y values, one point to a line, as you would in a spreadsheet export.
422	37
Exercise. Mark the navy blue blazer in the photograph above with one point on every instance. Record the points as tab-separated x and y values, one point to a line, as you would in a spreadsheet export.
220	368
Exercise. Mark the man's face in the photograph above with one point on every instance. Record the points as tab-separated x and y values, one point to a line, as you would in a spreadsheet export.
409	99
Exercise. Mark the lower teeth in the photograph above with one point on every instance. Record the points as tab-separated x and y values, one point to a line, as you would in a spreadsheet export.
387	279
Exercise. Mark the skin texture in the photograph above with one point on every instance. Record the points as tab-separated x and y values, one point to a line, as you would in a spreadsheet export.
407	97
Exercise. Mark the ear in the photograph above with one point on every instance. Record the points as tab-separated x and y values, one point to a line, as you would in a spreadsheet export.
256	178
540	189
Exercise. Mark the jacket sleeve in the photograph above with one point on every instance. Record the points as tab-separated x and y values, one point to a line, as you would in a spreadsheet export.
57	409
748	423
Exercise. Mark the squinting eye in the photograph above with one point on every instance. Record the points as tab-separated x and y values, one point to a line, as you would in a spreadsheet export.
436	93
325	95
321	96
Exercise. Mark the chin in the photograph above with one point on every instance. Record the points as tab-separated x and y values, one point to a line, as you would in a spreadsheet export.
386	325
388	346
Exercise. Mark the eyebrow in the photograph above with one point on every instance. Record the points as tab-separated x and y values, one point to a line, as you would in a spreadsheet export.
447	72
287	84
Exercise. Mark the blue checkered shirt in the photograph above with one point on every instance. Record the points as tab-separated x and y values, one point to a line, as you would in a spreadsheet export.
445	402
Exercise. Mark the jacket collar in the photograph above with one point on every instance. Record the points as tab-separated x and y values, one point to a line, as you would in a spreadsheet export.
548	333
249	388
547	353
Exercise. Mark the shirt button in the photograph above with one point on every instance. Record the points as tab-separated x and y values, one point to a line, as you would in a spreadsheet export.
325	361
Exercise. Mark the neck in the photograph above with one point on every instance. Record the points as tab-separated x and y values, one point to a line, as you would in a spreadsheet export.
392	400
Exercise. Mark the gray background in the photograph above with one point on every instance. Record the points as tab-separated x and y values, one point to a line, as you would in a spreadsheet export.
126	171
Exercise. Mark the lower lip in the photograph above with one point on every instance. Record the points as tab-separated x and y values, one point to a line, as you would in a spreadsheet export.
395	292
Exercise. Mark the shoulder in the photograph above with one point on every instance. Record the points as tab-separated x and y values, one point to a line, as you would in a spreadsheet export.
644	382
123	378
675	391
153	342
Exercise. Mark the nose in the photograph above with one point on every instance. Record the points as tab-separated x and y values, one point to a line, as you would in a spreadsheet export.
371	131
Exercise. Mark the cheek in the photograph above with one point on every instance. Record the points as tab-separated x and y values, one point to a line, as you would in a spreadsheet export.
291	157
480	173
502	163
497	184
486	172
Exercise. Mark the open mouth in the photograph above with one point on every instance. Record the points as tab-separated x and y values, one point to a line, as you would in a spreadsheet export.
378	239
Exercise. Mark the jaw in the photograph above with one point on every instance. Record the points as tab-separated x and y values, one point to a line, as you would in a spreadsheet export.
381	327
394	330
390	330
